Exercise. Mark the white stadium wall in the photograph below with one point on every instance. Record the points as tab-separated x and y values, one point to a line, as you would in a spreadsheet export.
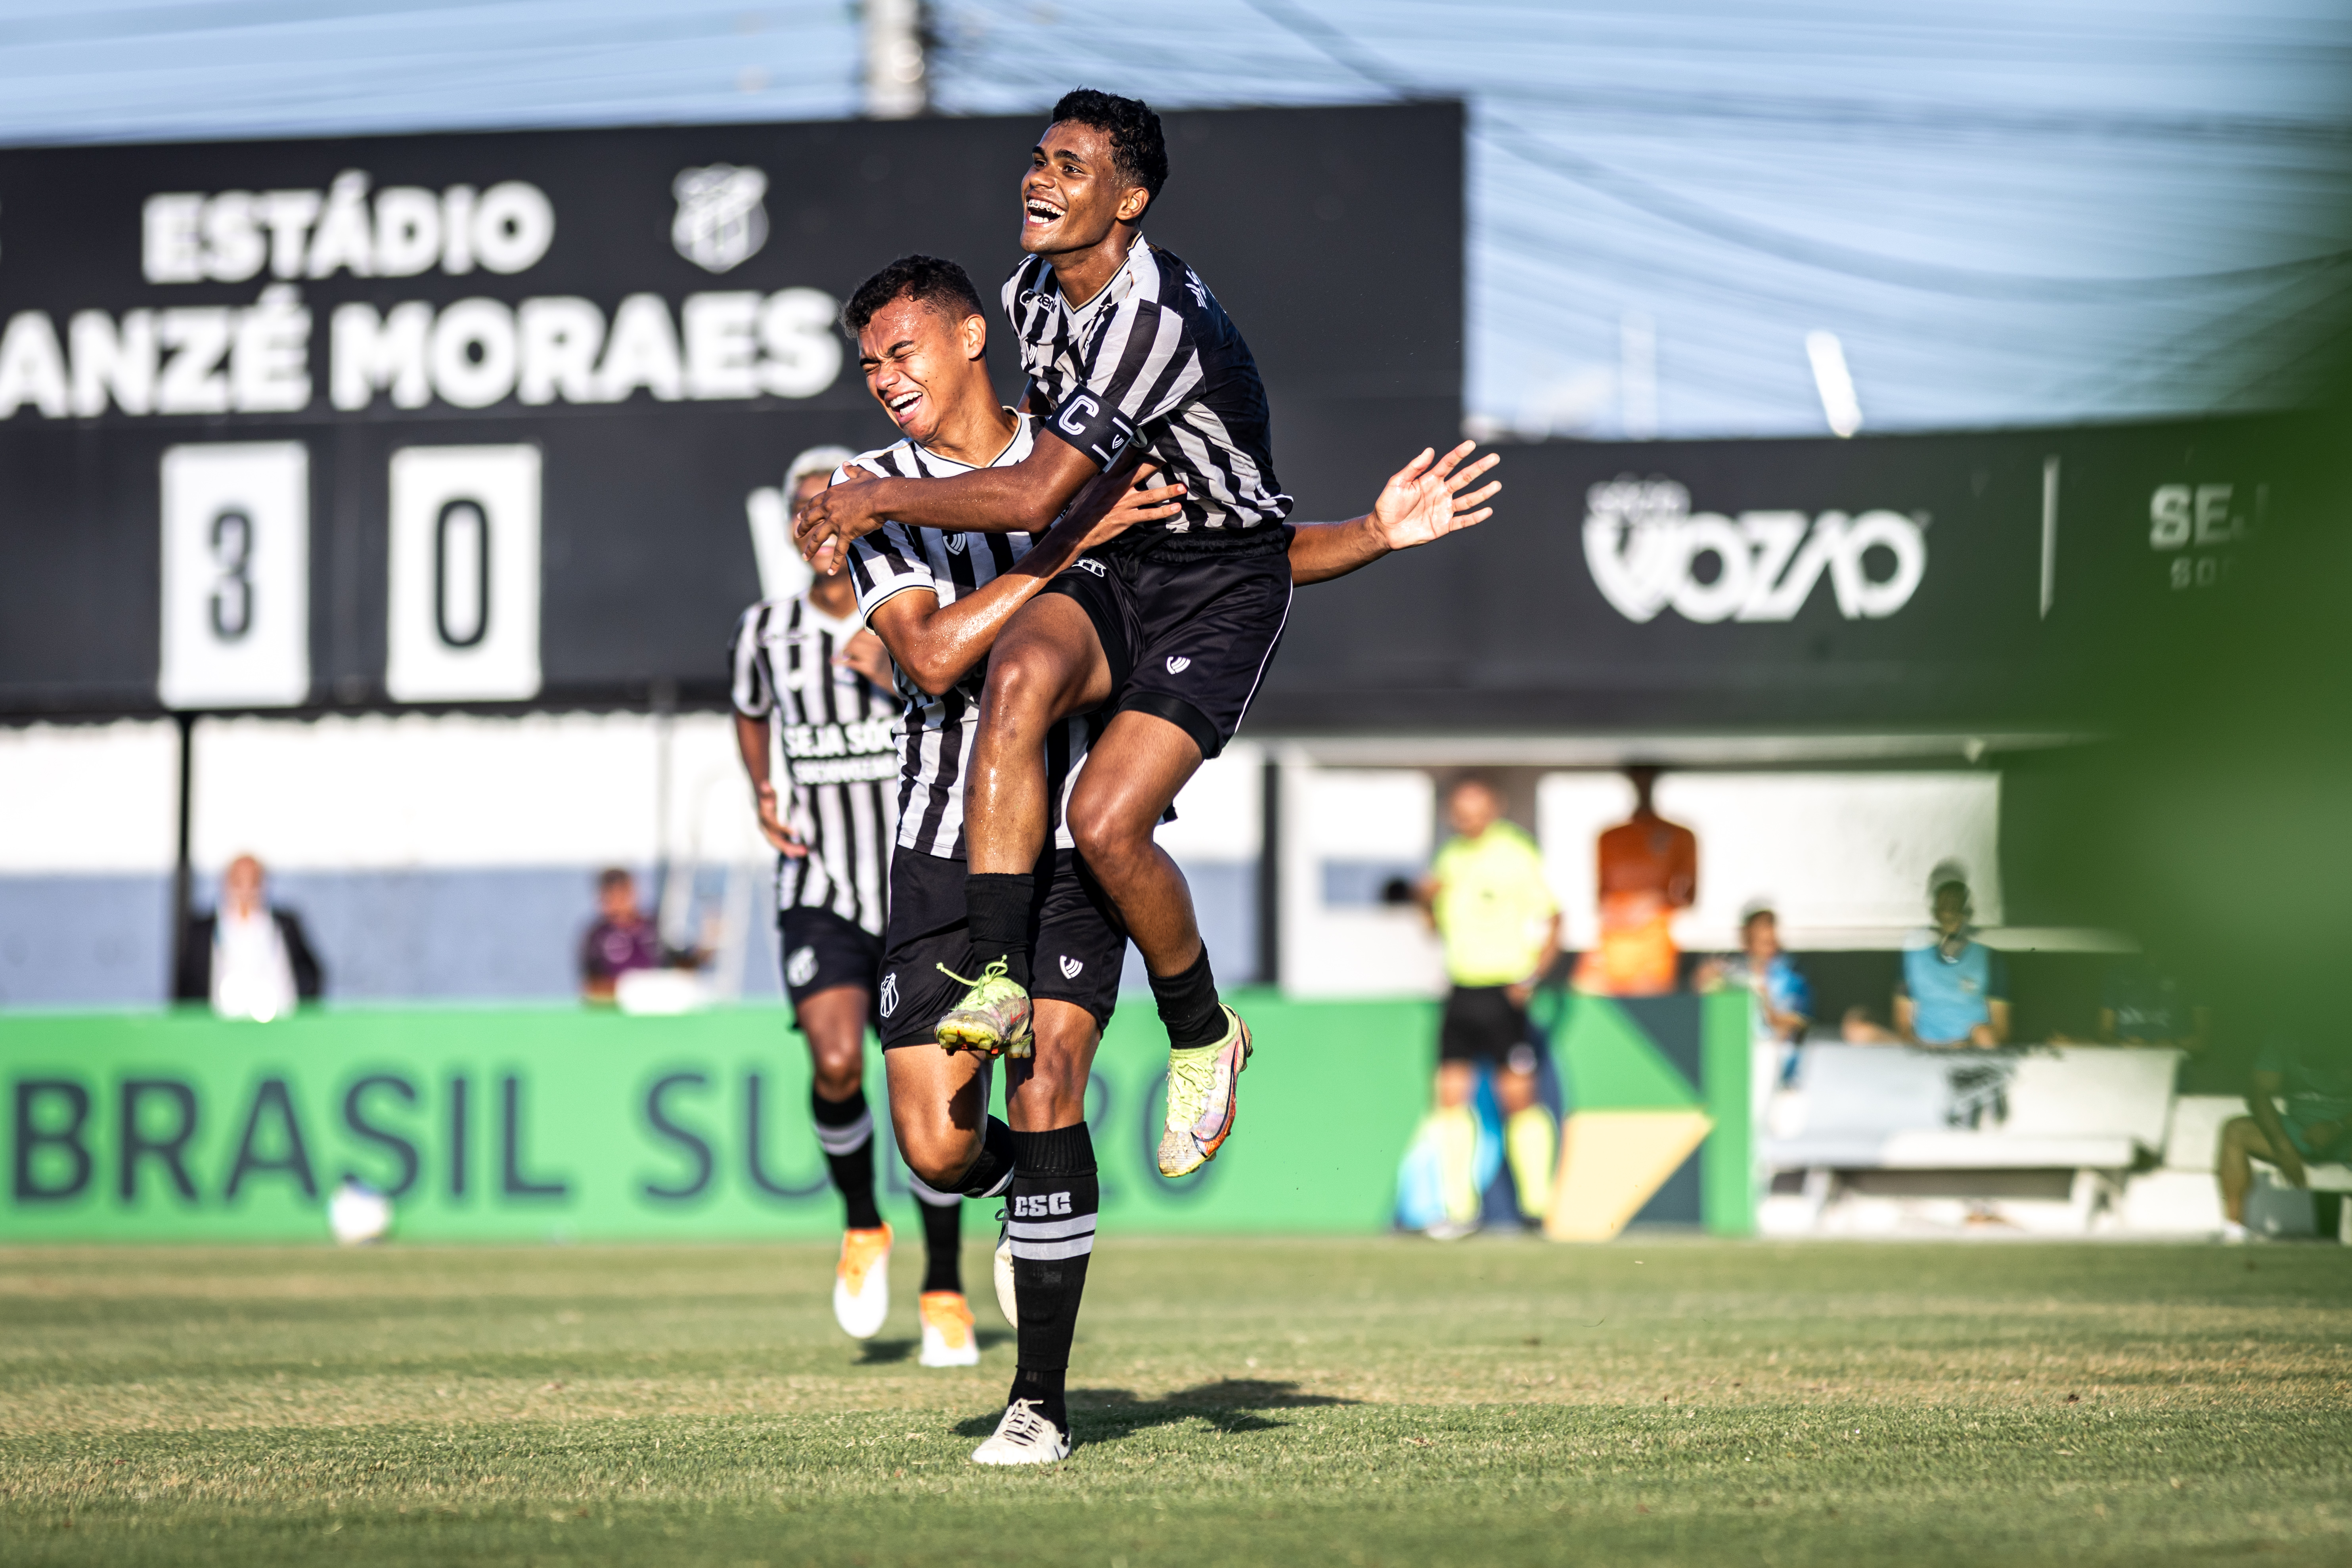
441	857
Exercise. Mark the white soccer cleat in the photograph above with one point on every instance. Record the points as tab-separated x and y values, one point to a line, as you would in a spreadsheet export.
861	1283
1024	1437
947	1330
2235	1235
1007	1303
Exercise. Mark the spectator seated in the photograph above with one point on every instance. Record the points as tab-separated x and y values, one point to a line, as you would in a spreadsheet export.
2179	1197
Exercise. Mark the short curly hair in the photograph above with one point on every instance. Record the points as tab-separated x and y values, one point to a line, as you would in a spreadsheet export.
934	281
1137	148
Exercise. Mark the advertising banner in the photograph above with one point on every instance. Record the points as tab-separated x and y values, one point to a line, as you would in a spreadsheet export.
483	418
1887	583
565	1124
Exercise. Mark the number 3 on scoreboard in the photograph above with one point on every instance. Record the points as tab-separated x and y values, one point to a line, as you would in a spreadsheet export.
237	575
463	611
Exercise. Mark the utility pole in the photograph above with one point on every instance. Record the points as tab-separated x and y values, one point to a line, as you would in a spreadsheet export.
897	85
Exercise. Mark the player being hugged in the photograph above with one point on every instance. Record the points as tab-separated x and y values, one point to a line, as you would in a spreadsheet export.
804	668
939	599
1168	633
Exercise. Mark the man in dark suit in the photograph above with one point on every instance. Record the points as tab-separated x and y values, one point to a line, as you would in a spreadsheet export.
246	959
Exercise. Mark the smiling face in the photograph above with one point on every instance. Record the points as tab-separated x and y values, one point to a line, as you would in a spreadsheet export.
922	365
1074	193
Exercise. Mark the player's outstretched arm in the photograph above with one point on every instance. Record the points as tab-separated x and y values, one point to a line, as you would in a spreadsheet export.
1021	498
1422	501
937	645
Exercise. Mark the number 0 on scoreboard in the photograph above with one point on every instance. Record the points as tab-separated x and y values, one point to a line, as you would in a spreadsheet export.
463	611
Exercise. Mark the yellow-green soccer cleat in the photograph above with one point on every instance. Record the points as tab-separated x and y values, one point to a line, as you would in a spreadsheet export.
1203	1099
992	1020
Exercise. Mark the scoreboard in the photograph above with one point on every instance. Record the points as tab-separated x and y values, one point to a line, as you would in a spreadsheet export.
484	419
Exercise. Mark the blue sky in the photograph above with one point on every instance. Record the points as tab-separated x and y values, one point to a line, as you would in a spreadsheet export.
2009	214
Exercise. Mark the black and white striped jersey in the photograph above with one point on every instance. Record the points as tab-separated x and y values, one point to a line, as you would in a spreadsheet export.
837	734
935	741
1154	359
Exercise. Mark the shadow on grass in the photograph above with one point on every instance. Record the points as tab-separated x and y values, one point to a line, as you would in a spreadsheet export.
1229	1405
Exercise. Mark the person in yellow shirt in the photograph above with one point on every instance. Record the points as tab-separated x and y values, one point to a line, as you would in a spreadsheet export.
1487	897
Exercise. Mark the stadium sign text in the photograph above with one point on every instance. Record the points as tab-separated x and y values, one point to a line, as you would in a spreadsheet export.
1644	545
257	358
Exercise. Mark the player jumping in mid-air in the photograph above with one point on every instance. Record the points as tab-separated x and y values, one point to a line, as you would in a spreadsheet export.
939	599
804	667
1126	354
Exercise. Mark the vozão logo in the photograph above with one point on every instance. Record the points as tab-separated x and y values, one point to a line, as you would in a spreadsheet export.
889	999
1071	966
1177	664
800	968
1641	542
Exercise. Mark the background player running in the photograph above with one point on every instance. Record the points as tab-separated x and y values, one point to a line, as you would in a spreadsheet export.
804	667
940	600
1126	352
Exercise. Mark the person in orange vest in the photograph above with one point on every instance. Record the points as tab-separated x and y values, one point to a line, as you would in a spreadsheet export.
1648	869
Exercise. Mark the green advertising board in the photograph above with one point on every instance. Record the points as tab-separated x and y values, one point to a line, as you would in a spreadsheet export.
566	1123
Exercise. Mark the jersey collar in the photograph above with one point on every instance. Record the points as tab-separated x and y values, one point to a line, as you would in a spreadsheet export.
1121	284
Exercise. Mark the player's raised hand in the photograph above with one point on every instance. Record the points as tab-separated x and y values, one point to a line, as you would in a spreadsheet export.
1114	502
1424	499
830	519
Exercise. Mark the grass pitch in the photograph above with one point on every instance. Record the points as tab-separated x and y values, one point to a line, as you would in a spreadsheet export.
1373	1402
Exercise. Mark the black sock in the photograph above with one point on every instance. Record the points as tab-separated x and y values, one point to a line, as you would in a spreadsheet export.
942	1239
1055	1196
1044	1384
845	1130
992	1171
996	907
1188	1007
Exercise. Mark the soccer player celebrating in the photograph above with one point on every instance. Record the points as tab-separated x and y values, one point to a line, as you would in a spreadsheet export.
939	599
1127	353
804	667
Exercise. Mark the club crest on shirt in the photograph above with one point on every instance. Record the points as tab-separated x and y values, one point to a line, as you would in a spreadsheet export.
800	967
1070	967
887	1000
1177	664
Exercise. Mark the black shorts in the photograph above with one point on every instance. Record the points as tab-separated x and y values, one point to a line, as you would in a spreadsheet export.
1483	1025
1188	641
1076	945
820	949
